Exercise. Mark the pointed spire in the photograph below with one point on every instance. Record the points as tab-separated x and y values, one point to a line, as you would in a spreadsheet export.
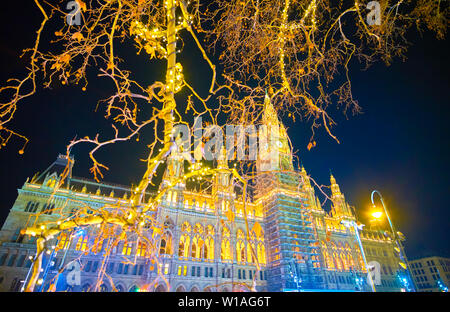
270	114
302	169
332	179
334	186
222	161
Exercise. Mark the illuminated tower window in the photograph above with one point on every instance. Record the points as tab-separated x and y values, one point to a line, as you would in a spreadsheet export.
82	243
63	242
141	249
126	250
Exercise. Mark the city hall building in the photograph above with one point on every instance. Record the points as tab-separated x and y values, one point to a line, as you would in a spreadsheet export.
299	246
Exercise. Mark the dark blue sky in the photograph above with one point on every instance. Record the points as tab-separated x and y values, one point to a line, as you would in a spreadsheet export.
397	145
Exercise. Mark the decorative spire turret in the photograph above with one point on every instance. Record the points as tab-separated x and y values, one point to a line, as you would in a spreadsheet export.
274	150
334	186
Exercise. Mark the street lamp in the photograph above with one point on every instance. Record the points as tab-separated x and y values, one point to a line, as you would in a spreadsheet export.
404	262
377	215
356	228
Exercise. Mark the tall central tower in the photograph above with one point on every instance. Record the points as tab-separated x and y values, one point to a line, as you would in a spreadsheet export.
290	239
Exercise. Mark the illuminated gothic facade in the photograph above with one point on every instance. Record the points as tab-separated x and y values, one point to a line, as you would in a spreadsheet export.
299	245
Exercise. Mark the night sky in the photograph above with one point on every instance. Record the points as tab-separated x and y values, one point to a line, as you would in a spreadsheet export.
397	145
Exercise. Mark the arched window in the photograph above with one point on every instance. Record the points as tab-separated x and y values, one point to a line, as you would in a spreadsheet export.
82	243
126	250
174	197
240	252
141	249
336	257
183	246
194	248
209	248
183	249
169	197
27	208
165	247
343	257
261	252
63	241
329	262
197	247
250	255
225	253
240	210
98	246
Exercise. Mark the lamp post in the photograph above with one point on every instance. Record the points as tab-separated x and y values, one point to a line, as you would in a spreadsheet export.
395	237
356	228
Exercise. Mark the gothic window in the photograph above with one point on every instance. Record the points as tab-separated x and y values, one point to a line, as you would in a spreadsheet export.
63	242
197	247
98	245
261	252
240	246
225	250
250	256
28	206
126	249
174	197
329	262
209	248
336	258
225	245
166	244
183	250
183	247
141	249
240	251
82	243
